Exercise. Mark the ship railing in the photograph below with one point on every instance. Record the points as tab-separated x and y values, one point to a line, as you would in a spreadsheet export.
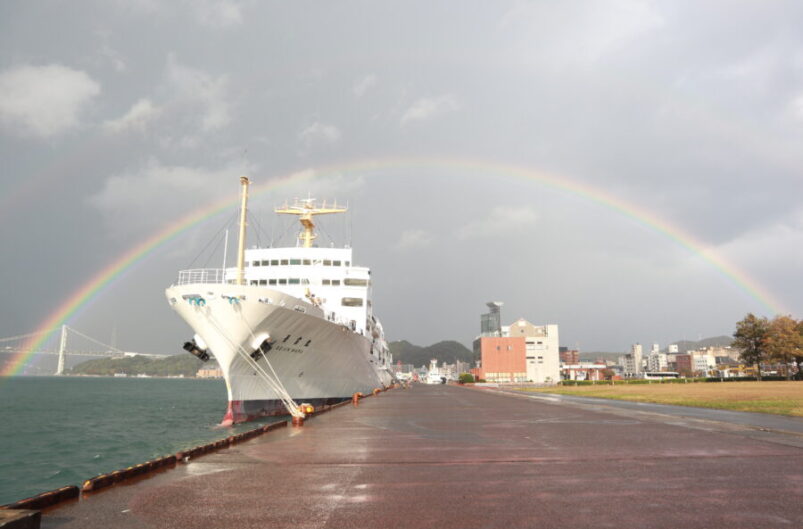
201	276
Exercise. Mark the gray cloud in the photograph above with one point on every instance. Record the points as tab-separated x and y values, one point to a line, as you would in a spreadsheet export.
318	132
363	84
138	117
429	107
505	221
46	100
151	110
414	239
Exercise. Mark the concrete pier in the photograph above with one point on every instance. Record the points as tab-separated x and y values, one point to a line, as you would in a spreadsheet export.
452	457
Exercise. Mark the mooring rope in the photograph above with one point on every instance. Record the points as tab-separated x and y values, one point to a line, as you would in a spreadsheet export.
274	384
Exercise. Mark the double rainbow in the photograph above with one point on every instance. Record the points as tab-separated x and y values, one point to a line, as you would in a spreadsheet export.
105	277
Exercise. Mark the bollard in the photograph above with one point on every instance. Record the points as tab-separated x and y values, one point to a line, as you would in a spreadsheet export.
377	391
298	421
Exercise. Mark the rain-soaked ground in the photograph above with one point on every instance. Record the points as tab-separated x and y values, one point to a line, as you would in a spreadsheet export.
453	457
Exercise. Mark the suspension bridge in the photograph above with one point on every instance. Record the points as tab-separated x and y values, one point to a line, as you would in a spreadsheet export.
71	341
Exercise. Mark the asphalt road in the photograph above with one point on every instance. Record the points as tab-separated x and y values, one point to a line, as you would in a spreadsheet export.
452	457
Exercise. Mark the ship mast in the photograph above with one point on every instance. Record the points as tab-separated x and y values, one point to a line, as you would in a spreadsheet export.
241	248
305	210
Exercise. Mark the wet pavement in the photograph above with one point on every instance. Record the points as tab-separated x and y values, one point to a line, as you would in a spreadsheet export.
453	457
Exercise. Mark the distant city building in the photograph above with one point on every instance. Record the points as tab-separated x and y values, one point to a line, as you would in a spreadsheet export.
491	322
541	344
632	363
502	359
637	352
703	362
655	348
628	364
673	348
521	352
569	356
210	372
657	361
683	364
583	371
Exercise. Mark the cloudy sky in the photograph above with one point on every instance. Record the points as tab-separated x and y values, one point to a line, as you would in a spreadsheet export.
118	118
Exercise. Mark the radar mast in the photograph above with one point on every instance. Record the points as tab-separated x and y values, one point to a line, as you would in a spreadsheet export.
306	209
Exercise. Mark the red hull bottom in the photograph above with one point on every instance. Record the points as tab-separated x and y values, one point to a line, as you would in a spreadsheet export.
240	411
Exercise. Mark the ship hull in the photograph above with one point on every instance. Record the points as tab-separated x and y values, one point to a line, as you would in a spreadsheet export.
314	360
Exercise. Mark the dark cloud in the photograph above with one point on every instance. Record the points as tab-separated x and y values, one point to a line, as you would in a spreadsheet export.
689	112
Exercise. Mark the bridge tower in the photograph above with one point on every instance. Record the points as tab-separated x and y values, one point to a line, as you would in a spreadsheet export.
62	349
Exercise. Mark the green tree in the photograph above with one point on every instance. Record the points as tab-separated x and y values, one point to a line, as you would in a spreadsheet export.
750	337
784	343
466	378
798	356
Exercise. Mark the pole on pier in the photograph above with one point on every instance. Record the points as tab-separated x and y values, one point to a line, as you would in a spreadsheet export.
62	349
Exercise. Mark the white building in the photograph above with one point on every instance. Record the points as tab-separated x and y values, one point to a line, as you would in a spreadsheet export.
657	361
542	349
628	365
703	362
637	352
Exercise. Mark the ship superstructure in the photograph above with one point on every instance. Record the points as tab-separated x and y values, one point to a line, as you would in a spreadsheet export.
287	325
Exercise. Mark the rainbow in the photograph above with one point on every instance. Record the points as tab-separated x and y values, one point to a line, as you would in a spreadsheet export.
101	281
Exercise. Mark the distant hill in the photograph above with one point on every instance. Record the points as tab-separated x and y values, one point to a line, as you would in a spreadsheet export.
447	351
594	356
716	341
181	364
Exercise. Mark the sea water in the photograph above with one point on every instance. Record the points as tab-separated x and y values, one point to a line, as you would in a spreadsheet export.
57	431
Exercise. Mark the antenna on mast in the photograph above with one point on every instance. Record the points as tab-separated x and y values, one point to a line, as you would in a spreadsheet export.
305	209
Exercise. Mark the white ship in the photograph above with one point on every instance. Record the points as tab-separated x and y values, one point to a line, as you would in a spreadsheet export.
287	325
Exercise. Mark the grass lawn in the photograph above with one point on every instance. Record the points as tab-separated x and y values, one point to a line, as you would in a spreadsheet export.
782	398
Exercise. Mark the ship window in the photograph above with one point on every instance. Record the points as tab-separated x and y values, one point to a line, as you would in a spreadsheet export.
326	282
305	281
348	263
282	281
307	262
327	262
335	282
351	282
274	262
283	261
271	281
263	282
352	302
308	342
297	340
286	338
294	281
335	263
254	282
255	263
295	261
265	263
